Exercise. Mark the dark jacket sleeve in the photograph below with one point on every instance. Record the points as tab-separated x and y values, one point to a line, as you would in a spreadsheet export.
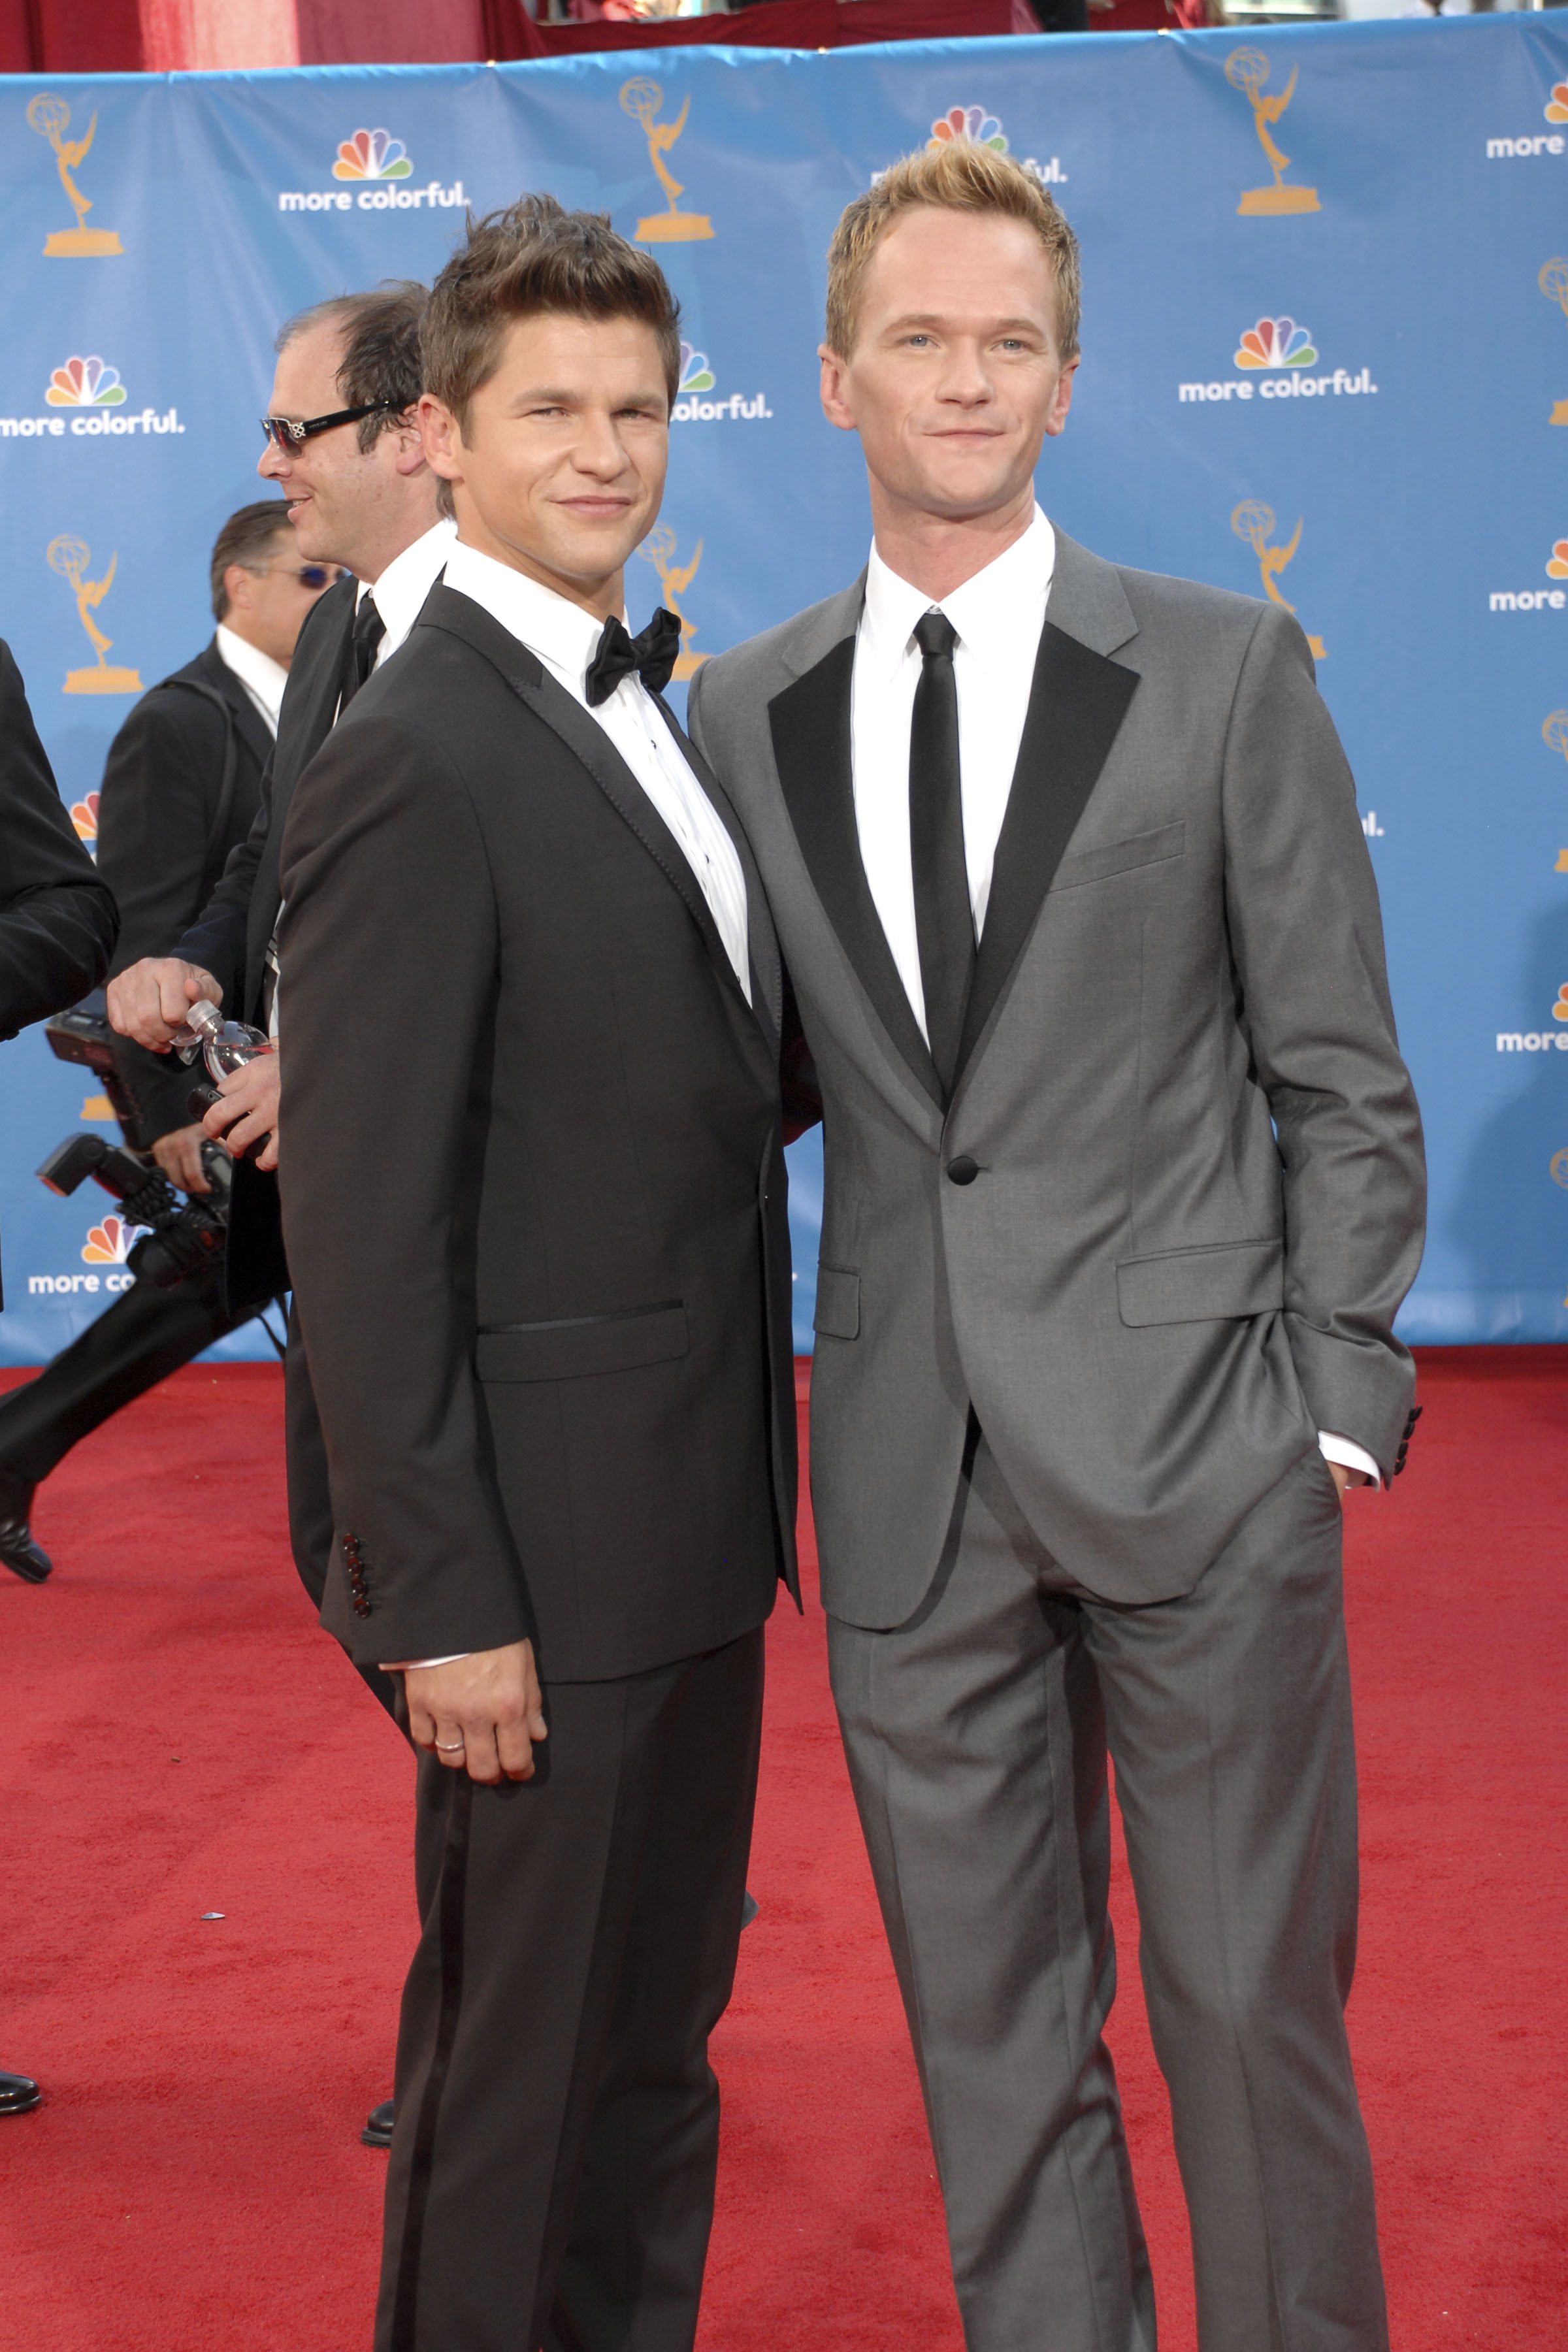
58	919
385	867
217	938
154	816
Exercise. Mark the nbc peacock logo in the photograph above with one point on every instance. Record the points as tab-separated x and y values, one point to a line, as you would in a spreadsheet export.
968	122
372	155
84	816
110	1243
697	377
1274	359
1276	343
374	164
978	125
85	383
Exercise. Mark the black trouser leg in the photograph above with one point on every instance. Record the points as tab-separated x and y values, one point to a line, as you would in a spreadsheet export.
144	1336
551	2174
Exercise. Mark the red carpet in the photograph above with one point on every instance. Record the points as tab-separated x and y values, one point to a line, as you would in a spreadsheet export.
183	1740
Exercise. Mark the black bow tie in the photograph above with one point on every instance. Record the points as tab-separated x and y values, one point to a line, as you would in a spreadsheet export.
652	655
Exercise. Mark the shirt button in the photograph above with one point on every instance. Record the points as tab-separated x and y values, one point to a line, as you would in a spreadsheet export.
962	1171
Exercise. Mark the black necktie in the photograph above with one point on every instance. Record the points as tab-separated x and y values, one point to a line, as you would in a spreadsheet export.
652	655
368	632
944	923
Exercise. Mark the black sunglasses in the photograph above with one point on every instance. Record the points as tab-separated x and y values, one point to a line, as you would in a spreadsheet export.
312	575
288	434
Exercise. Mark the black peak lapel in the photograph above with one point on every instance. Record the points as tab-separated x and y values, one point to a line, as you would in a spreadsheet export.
1077	704
810	725
446	608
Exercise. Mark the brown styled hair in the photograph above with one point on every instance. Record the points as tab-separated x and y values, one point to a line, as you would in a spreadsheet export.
243	539
536	256
959	176
381	360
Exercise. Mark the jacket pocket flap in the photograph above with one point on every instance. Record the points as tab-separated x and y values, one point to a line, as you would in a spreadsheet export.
1122	856
582	1343
1200	1285
837	1303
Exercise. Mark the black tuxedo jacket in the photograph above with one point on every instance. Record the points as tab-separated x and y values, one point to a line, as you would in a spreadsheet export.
550	1342
57	918
229	937
181	789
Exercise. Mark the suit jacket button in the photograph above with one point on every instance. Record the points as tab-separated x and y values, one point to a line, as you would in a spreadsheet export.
962	1171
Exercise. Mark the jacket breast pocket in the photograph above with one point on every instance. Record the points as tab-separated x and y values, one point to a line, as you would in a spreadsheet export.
837	1303
1153	848
579	1344
1202	1285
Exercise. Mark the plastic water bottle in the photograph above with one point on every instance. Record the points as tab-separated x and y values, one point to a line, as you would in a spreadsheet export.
223	1045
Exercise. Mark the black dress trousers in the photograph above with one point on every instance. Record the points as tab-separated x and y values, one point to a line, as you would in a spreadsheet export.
552	2171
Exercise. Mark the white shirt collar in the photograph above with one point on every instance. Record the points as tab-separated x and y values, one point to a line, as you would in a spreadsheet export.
561	634
262	678
407	580
1007	596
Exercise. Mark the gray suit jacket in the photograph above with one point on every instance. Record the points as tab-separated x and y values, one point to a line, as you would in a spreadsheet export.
1200	1188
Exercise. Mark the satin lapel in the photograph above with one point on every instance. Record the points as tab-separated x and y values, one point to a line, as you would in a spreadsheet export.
810	725
767	975
1077	704
446	608
311	697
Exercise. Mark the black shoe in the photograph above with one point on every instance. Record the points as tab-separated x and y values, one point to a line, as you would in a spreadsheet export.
18	2092
749	1910
377	2132
17	1549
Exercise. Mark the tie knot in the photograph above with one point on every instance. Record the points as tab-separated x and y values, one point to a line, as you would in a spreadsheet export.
935	636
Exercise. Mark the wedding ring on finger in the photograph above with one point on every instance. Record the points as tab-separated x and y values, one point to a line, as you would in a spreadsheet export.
451	1746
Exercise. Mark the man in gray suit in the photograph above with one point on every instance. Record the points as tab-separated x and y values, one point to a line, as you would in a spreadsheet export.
1123	1190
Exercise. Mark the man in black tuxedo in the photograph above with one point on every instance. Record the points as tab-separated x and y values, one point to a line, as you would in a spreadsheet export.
181	789
58	924
551	1345
343	446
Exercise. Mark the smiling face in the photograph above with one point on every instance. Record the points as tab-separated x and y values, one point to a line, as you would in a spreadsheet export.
559	466
955	376
348	505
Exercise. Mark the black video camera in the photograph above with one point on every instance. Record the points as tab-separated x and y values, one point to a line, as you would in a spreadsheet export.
184	1240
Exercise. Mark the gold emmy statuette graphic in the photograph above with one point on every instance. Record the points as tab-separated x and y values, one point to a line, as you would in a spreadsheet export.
70	557
49	117
1554	283
1247	69
1253	522
658	549
644	99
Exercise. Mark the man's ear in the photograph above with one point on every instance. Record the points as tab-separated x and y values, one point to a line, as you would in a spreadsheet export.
238	589
440	439
834	405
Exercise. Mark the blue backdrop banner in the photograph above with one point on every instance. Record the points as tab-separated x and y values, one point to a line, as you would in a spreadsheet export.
1326	359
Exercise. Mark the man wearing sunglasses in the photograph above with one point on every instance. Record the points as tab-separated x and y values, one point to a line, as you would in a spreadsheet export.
181	789
344	448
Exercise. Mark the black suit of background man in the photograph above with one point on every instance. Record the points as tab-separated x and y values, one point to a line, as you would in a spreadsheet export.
551	1350
183	786
56	933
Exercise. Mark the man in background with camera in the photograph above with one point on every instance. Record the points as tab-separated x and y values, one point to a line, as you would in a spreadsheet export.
181	789
56	933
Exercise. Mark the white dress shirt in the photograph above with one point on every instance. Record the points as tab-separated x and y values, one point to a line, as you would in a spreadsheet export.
998	614
262	678
565	639
401	591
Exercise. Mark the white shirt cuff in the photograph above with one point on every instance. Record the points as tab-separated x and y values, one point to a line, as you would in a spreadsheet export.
1348	1454
412	1665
